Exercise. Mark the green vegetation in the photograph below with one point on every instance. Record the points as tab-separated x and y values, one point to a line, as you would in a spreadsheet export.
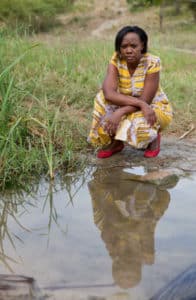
32	15
175	4
46	97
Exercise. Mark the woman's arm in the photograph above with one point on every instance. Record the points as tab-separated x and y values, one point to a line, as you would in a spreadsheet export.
110	86
130	104
151	84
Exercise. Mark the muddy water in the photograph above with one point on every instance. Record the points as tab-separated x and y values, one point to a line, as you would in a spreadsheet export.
90	237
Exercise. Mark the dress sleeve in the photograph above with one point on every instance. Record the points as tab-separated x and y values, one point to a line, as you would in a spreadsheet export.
114	59
154	65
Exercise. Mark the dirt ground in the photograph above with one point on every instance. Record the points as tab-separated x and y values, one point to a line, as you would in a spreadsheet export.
175	154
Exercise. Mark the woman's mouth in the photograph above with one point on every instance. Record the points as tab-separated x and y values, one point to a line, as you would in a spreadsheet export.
129	57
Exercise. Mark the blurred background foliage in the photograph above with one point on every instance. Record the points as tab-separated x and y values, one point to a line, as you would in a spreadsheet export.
41	15
33	15
177	5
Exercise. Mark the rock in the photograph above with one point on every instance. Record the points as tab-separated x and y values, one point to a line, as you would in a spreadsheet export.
17	287
163	178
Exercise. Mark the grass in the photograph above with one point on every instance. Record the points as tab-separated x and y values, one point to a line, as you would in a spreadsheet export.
32	15
47	92
44	102
178	79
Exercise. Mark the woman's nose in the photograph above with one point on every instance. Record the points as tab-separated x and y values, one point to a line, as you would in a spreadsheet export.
129	49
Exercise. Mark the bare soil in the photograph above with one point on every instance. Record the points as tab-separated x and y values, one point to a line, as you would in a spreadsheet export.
175	154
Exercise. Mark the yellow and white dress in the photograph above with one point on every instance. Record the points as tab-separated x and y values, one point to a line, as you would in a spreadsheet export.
133	128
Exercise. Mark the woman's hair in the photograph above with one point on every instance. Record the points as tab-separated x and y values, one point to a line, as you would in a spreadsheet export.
139	31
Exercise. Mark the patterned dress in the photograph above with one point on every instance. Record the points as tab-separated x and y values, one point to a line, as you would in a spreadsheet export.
133	128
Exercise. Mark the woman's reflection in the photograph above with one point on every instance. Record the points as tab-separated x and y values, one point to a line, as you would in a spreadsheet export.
126	212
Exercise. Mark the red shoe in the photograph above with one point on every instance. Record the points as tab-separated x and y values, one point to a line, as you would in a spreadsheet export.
109	152
153	153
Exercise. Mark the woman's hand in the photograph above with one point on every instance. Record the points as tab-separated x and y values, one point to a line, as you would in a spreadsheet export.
111	122
149	113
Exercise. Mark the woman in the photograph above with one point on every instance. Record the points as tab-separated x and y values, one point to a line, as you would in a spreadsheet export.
131	106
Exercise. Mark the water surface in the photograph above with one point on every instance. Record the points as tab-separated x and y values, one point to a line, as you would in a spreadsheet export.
95	234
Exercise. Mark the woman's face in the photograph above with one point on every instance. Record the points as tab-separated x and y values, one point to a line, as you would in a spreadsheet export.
131	48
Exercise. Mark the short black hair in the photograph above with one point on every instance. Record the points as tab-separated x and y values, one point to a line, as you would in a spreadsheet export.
139	31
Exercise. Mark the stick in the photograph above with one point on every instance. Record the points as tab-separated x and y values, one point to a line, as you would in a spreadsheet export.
187	132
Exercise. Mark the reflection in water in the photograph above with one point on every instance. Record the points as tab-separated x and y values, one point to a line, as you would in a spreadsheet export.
9	204
15	203
126	212
14	206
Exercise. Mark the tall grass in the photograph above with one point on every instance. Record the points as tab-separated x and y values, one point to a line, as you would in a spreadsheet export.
46	101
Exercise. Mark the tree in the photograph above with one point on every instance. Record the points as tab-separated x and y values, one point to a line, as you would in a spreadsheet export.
192	6
177	6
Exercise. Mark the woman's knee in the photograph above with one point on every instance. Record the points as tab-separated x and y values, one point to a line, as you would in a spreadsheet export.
144	135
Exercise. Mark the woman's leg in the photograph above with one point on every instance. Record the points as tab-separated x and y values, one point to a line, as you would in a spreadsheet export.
138	133
135	131
99	136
